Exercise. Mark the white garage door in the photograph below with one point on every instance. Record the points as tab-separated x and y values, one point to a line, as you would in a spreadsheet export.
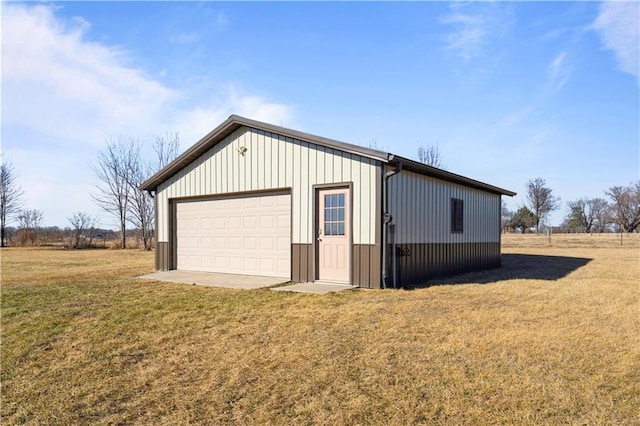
238	235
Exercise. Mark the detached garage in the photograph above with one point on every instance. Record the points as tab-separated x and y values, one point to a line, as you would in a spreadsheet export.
257	199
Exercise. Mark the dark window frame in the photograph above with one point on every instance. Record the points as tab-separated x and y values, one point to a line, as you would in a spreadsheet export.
457	216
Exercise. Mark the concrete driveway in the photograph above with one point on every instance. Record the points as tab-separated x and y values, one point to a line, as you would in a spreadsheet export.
212	279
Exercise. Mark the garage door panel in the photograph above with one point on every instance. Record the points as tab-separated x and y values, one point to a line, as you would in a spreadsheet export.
251	265
266	243
220	243
283	244
283	266
284	221
250	203
241	235
250	222
250	243
267	221
205	242
193	261
194	243
235	243
235	263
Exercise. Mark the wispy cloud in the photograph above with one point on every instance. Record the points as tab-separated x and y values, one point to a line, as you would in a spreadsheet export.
62	95
619	28
474	25
217	21
221	20
59	85
517	116
184	38
558	72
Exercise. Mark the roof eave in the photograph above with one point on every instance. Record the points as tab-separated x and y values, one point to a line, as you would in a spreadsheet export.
435	172
235	121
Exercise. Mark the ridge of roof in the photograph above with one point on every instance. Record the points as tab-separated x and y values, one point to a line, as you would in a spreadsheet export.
234	122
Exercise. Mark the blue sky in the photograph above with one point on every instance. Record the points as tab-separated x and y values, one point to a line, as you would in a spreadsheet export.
508	91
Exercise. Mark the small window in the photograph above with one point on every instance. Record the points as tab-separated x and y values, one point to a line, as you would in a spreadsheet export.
457	215
334	214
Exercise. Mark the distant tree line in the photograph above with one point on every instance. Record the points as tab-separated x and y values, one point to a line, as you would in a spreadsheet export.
121	169
71	238
620	213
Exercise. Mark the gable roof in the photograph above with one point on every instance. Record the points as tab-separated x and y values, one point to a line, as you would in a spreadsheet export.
234	122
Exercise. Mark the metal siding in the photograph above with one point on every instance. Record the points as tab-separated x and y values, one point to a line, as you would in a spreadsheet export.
421	209
301	262
162	257
295	183
257	167
328	163
355	271
428	261
271	162
295	263
357	204
305	194
369	197
346	167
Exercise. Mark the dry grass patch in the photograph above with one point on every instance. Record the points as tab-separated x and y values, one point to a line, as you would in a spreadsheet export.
85	342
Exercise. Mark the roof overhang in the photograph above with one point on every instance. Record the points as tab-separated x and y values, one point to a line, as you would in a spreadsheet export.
423	169
234	122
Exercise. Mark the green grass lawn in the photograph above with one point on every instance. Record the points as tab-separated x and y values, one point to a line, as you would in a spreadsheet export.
84	341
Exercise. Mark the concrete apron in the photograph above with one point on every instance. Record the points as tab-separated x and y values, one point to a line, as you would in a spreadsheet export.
213	279
243	282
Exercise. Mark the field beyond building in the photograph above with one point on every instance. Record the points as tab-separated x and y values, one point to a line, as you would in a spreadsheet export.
551	337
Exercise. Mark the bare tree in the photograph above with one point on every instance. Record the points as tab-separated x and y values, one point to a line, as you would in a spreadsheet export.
586	214
141	206
83	228
625	206
167	148
113	168
11	198
603	217
541	201
430	156
506	215
29	223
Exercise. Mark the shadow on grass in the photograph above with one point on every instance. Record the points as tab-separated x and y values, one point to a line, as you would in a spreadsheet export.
516	267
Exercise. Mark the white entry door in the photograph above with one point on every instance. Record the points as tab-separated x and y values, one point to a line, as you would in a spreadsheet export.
249	235
333	239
